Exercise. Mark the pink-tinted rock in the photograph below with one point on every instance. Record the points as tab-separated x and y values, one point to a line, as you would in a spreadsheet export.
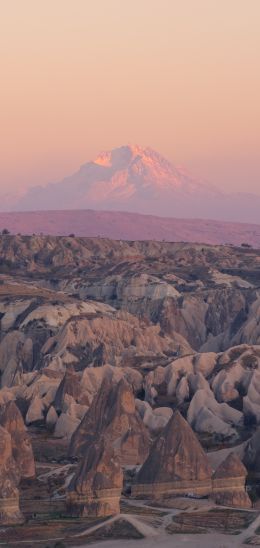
228	483
96	487
12	420
9	480
113	415
176	464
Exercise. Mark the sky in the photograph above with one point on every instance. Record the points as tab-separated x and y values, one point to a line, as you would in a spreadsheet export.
80	76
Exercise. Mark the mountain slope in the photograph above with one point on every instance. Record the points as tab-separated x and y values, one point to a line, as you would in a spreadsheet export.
136	179
129	226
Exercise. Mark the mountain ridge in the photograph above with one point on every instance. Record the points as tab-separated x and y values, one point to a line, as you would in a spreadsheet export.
130	226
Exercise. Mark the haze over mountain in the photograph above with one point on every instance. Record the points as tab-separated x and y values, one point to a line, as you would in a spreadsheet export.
136	179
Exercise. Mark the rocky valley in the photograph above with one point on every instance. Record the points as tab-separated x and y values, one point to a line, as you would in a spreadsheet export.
129	392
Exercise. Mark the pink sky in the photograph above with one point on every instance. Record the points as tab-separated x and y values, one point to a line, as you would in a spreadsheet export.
79	76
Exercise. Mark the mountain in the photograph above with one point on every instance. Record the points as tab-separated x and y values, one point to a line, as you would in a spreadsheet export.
129	226
140	180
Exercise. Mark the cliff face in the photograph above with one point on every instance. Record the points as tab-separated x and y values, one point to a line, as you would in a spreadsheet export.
96	487
176	463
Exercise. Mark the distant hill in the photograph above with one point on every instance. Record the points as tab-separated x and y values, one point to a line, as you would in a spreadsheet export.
129	226
139	180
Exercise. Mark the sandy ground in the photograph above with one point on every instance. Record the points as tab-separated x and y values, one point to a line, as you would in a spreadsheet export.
174	541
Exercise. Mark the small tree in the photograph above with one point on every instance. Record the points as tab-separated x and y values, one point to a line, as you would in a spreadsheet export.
5	231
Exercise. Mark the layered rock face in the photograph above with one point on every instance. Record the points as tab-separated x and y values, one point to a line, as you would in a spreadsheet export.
176	464
96	487
9	479
12	420
228	483
113	415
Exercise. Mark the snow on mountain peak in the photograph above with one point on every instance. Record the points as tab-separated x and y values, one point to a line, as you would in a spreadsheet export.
120	157
140	162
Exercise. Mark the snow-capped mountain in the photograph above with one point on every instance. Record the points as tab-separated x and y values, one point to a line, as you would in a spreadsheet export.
136	179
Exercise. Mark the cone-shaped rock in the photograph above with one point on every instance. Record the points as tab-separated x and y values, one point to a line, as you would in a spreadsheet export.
176	464
112	414
9	480
252	456
96	487
228	483
69	385
230	467
12	420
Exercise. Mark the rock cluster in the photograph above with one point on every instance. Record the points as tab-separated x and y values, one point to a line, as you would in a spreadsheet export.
177	465
163	338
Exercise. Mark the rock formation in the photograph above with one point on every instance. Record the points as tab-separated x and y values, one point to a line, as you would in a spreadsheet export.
9	480
12	420
252	456
176	464
228	483
180	337
69	386
113	415
96	487
205	414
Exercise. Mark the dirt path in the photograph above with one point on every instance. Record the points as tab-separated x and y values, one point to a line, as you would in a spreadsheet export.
153	535
146	530
250	531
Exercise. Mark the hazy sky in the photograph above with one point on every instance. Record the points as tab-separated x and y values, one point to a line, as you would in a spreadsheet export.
78	76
